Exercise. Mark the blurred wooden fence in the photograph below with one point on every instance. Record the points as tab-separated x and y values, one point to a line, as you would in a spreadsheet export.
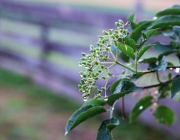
47	17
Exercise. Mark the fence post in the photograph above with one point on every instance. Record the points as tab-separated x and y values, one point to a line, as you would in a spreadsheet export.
46	48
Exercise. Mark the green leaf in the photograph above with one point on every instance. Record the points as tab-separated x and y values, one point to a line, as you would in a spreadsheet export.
83	114
166	22
160	66
130	42
143	50
100	102
145	36
137	31
163	90
127	50
123	85
136	76
149	33
131	18
164	115
104	132
169	11
119	88
175	86
163	47
140	106
113	97
149	60
124	57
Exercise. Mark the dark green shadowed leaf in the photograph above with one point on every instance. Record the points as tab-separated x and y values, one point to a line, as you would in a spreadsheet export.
166	22
83	114
171	35
143	50
149	60
104	132
164	90
131	18
140	106
165	54
124	57
113	97
123	85
127	50
136	76
175	86
176	29
162	64
163	47
119	88
169	11
136	34
164	115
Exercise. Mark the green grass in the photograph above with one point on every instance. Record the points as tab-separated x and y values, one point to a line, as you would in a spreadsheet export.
45	102
45	96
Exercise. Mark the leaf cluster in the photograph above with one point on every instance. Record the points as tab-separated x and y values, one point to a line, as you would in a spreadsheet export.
127	48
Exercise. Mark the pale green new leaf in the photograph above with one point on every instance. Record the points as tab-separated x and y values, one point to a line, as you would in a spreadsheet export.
140	106
127	50
165	115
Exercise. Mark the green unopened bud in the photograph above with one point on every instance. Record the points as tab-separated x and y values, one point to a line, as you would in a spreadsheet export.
110	74
103	88
117	24
120	22
97	96
85	95
123	72
96	63
106	33
99	91
83	54
104	78
96	78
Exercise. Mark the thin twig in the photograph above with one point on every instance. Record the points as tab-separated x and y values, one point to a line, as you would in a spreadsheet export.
156	85
157	75
123	109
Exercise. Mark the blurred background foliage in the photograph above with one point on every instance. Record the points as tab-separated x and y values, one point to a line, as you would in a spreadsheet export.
29	111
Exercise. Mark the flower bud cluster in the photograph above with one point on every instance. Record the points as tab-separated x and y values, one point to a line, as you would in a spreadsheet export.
99	61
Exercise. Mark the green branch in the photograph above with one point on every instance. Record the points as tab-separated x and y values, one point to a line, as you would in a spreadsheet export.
119	63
